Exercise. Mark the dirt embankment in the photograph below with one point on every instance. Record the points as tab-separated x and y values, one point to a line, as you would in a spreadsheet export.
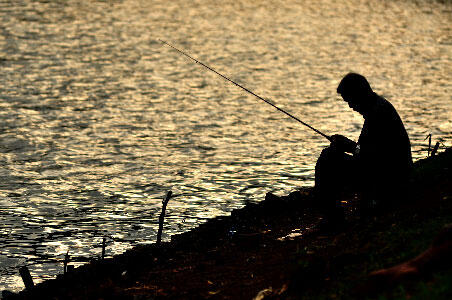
273	250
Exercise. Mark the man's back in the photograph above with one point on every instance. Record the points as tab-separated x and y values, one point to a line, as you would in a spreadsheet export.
385	149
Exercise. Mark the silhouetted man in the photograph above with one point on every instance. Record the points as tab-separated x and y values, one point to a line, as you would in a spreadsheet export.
377	165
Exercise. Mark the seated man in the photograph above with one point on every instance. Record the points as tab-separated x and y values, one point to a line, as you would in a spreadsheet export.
376	166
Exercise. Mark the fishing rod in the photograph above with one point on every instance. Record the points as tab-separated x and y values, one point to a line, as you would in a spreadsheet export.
247	90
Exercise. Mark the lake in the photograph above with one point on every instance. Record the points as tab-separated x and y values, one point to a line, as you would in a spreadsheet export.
99	119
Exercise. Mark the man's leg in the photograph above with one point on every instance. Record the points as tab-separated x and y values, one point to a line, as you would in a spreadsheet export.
333	174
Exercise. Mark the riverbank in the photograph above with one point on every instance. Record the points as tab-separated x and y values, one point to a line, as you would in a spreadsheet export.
275	249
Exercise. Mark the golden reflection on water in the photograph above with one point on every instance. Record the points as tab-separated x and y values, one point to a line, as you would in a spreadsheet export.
99	119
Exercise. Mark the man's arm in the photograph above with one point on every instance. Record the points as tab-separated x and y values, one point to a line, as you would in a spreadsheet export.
343	143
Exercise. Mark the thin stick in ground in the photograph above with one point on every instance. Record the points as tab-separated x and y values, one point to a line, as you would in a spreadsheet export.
162	217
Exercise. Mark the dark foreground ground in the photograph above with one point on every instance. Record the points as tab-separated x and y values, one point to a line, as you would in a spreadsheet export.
274	250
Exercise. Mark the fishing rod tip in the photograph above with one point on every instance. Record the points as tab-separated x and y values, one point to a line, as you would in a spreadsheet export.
162	41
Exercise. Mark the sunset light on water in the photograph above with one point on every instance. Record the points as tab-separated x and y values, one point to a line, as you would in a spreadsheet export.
100	119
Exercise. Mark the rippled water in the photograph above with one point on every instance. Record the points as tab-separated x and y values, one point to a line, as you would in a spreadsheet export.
99	119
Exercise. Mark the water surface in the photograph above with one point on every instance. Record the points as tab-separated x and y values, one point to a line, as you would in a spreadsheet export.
99	119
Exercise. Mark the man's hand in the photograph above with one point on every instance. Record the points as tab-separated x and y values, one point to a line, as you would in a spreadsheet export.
342	143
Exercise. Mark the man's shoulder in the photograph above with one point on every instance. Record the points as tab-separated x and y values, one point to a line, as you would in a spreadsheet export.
381	105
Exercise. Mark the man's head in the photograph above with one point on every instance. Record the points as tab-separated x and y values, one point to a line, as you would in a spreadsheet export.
355	90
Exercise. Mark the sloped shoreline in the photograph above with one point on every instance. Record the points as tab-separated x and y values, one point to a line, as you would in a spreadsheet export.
271	248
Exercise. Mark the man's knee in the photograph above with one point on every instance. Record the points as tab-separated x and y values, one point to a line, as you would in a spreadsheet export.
334	169
331	158
327	153
326	157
